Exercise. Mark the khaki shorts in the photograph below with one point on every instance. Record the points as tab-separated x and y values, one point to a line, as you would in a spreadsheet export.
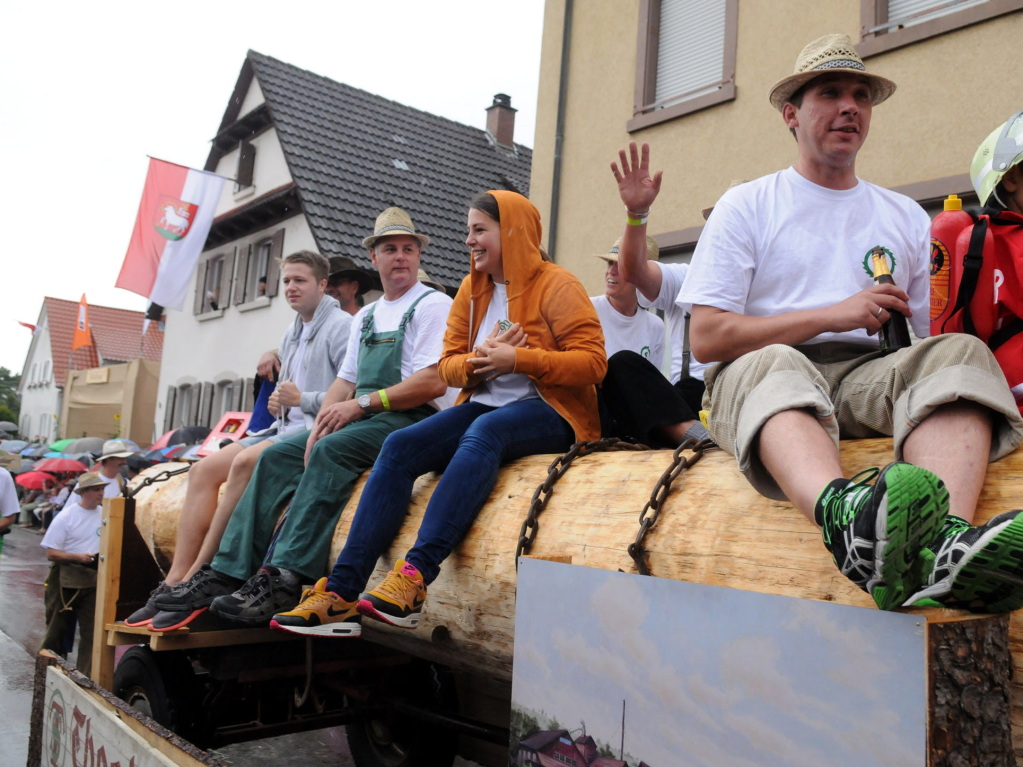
854	395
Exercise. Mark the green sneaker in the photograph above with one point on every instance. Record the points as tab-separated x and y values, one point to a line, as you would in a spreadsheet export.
975	568
875	532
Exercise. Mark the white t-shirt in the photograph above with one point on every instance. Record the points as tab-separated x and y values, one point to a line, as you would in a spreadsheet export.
509	388
112	490
672	278
782	243
642	333
8	495
424	336
75	530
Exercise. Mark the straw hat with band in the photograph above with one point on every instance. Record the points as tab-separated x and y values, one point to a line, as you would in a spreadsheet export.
391	222
652	251
115	448
424	278
89	480
344	267
826	55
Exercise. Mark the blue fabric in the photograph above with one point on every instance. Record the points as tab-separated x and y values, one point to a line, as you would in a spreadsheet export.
261	418
468	443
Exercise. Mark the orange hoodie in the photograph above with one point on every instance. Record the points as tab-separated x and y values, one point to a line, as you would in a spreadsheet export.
565	358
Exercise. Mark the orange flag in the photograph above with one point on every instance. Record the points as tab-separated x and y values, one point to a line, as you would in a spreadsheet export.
83	336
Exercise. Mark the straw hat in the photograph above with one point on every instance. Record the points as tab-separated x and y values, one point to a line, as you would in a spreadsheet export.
394	221
652	251
89	479
831	53
115	448
342	266
424	278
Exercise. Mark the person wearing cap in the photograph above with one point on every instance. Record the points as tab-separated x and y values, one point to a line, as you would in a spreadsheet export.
72	546
784	299
389	380
346	283
111	461
311	351
997	167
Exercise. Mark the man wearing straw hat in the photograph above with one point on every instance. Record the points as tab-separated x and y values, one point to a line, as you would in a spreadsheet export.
388	380
783	296
111	461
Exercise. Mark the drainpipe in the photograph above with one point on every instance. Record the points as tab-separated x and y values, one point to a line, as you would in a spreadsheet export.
559	133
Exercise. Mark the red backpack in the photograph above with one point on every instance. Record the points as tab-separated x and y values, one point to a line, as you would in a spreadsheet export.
986	278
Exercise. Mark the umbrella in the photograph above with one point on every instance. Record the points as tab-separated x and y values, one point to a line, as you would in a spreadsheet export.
34	480
85	445
164	453
36	452
60	465
55	454
13	445
8	426
186	435
60	444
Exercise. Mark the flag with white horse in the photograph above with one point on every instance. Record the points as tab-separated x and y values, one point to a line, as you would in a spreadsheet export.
175	215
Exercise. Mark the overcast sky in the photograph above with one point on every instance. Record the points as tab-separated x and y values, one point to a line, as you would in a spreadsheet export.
88	90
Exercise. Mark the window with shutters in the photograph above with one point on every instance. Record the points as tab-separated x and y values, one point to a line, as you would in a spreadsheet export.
213	284
889	24
259	271
685	58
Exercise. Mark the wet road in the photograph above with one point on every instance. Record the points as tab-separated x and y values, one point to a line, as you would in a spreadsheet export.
23	569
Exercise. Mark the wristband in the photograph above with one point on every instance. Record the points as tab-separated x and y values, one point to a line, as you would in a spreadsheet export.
384	401
631	221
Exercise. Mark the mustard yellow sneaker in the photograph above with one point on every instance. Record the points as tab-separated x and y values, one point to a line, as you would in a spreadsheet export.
320	613
399	599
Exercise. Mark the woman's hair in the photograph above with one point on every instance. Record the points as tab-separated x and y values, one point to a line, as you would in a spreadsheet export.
486	203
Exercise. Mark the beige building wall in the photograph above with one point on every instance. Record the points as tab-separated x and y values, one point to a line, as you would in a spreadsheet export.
921	140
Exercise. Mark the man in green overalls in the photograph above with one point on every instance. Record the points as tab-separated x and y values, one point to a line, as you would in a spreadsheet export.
388	380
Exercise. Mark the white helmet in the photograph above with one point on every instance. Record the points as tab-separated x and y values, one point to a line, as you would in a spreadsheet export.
1002	149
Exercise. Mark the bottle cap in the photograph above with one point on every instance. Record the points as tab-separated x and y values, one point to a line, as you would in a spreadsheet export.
952	202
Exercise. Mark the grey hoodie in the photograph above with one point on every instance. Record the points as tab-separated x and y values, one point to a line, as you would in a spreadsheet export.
325	350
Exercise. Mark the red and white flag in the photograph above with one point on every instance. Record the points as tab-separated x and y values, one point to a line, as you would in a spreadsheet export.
177	209
83	335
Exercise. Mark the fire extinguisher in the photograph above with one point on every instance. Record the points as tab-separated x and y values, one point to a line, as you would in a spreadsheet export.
945	230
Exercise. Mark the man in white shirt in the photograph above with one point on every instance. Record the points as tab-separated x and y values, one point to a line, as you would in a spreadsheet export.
638	403
388	380
782	295
9	507
72	545
111	461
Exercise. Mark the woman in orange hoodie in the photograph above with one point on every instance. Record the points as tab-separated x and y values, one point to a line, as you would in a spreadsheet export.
524	344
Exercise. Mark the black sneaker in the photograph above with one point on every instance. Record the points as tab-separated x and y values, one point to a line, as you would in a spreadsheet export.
875	532
172	620
975	568
198	591
268	592
144	614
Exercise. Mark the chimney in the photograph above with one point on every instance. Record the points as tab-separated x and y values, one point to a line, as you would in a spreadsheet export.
501	120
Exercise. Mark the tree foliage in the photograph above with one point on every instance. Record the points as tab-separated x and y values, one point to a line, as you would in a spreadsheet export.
9	394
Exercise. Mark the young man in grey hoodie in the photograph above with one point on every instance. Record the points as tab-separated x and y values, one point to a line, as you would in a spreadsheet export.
311	353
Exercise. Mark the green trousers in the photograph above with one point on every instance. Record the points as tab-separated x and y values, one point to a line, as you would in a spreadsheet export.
320	491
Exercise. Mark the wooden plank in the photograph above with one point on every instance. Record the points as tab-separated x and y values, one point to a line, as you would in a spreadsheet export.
108	589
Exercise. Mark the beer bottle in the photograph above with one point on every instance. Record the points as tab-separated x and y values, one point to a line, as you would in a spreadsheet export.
894	334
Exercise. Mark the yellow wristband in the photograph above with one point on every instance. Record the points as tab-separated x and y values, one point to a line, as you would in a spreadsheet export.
635	221
383	400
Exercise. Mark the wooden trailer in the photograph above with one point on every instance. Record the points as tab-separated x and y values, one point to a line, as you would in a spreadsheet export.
687	515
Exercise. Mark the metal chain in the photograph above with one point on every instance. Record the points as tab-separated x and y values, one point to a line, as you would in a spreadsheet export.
660	493
163	476
531	525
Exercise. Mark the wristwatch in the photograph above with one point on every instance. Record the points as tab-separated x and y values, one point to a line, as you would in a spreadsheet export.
364	404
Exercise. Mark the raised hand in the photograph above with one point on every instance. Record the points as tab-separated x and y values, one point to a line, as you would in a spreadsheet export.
636	187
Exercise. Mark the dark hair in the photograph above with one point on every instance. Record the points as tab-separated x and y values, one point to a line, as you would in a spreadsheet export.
486	203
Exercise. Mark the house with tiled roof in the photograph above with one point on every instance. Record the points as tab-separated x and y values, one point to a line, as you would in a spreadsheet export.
117	338
312	162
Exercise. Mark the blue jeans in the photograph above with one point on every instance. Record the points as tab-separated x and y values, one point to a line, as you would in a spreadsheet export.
468	443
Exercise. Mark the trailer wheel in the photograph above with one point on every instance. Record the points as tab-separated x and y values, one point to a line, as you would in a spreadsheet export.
399	739
157	684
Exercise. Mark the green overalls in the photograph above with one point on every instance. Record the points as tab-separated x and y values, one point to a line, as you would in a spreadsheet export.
322	488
